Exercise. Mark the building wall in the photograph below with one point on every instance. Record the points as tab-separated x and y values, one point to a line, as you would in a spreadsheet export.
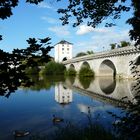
63	51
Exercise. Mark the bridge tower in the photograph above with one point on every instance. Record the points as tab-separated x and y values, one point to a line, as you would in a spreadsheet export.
63	51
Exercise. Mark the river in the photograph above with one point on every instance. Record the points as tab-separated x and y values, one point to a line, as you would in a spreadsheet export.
73	99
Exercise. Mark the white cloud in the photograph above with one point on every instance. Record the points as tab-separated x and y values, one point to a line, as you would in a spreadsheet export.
84	46
60	31
84	108
50	19
84	29
44	5
113	36
101	40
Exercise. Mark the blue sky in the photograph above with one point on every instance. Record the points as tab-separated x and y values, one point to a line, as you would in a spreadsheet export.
42	21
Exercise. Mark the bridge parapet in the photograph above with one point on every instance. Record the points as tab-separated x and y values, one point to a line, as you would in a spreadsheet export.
111	53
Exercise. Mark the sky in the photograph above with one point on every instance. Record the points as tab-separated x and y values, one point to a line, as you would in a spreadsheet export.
42	21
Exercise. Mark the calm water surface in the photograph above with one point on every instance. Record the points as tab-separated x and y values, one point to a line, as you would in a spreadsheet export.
72	99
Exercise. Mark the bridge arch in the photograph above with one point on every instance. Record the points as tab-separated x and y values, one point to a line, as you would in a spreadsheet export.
137	60
85	64
64	59
107	68
72	66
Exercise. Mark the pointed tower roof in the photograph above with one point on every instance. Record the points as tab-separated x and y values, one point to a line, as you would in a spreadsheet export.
63	42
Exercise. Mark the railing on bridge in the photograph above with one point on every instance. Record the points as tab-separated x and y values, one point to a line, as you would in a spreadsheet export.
111	53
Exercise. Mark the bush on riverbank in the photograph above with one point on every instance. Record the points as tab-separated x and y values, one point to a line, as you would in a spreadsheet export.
53	68
32	70
86	72
70	72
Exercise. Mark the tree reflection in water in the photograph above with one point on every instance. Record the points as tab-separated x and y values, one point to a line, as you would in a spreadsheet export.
85	81
44	82
70	80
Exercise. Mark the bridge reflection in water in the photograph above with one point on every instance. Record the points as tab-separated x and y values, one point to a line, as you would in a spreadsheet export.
104	88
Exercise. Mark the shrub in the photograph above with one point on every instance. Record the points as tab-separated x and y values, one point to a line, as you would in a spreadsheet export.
70	72
32	70
53	68
86	72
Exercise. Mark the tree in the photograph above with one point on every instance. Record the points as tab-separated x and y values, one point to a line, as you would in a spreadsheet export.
80	54
13	65
84	53
37	52
90	52
6	7
94	12
120	45
113	46
125	43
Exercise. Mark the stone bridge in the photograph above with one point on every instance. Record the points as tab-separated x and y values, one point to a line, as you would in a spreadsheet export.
109	63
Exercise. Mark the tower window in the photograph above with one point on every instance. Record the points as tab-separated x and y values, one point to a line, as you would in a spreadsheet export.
67	49
62	48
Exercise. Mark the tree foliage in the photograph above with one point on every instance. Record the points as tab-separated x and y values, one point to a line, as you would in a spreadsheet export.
70	72
135	22
84	53
13	65
80	54
113	46
125	43
36	53
6	7
86	71
94	12
90	52
120	45
54	68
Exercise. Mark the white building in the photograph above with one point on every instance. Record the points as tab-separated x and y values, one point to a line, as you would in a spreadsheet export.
63	95
63	51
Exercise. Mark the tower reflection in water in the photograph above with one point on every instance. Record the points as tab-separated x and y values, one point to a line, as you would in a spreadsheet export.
63	95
